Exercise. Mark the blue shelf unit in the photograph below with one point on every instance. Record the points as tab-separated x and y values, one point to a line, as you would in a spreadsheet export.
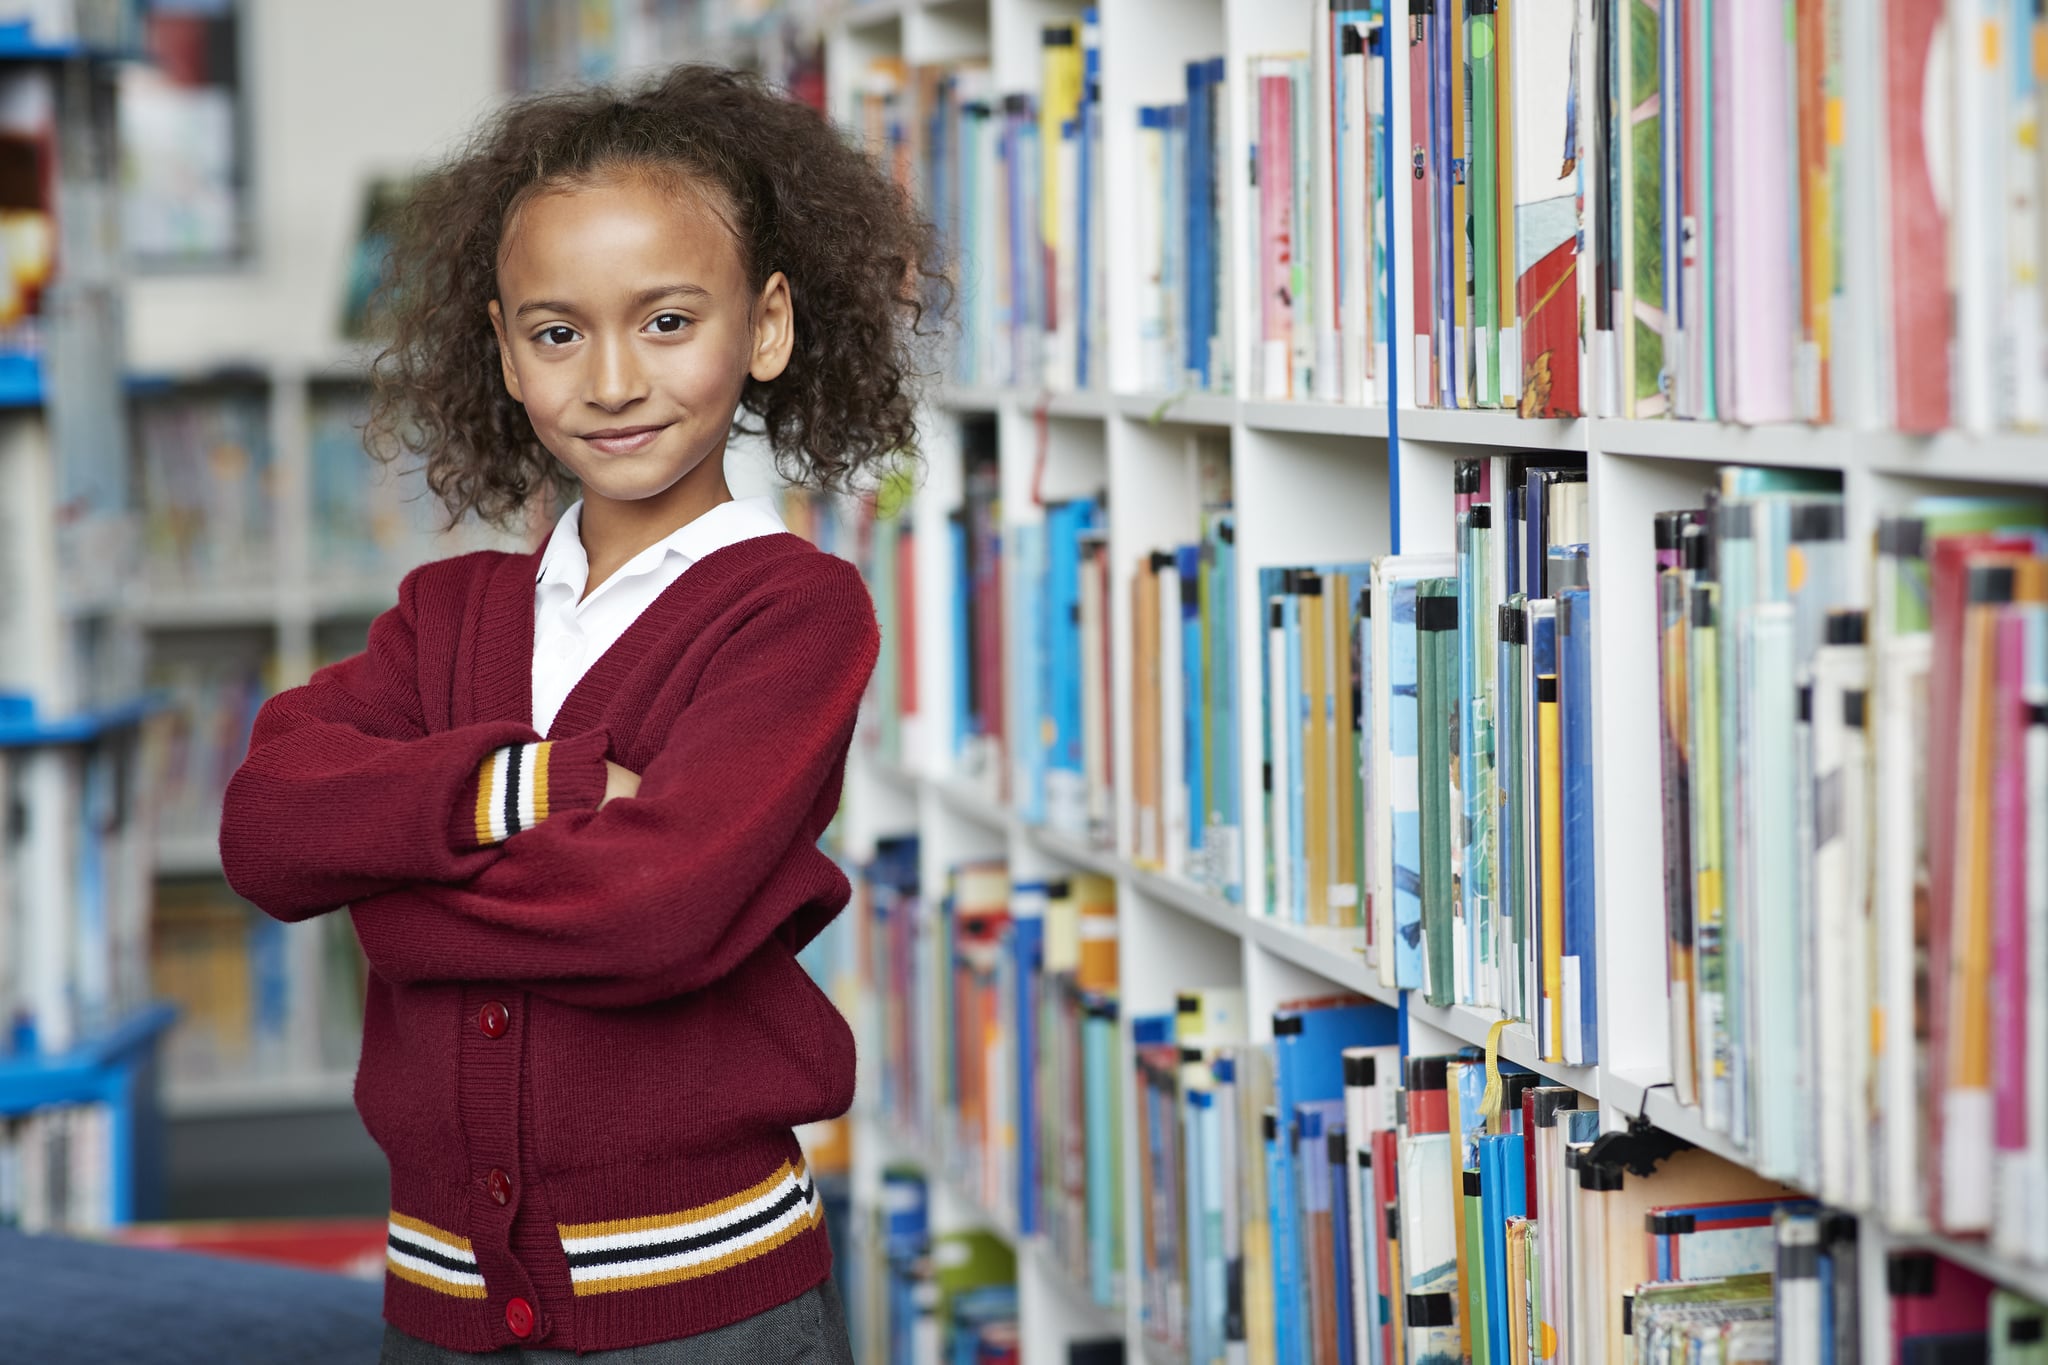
117	1068
21	729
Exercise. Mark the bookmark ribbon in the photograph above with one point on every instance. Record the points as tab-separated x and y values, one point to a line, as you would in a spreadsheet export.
1489	1103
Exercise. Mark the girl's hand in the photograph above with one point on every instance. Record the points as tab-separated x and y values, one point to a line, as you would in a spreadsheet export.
618	782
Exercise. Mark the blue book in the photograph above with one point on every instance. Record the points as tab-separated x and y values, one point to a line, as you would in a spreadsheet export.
1188	562
1340	1240
1201	276
1027	949
1575	704
1205	1312
1518	499
965	722
1313	1123
1308	1065
1503	1194
1100	1076
1287	1342
1026	672
1215	207
1227	862
1404	732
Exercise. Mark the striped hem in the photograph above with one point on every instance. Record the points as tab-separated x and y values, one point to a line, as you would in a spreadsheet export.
639	1253
511	791
422	1254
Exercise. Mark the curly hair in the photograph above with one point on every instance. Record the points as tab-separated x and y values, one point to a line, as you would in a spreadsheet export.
863	269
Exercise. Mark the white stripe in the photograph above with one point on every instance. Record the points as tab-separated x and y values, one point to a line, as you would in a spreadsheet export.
528	753
614	1241
501	762
652	1265
469	1279
433	1244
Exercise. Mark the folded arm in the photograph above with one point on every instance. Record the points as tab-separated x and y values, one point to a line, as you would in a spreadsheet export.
344	794
654	896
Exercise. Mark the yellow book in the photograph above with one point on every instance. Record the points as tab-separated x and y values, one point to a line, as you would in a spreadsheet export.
1550	830
1344	906
1145	715
1504	185
1518	1281
1315	775
1453	1073
1059	101
1096	896
1254	1096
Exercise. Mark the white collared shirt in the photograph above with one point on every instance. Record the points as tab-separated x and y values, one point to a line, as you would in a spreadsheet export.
571	631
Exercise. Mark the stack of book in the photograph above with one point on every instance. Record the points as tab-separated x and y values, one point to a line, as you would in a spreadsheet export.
75	884
1321	173
885	546
208	488
1428	727
1000	1041
203	737
1856	828
1183	235
55	1167
374	521
1059	668
1184	728
1637	209
1013	181
924	1297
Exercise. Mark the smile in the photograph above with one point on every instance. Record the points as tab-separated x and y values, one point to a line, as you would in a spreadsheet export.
623	440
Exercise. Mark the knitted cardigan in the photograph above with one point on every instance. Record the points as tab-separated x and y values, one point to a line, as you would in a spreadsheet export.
586	1039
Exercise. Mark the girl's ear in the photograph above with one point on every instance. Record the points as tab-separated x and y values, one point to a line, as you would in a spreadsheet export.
774	329
505	352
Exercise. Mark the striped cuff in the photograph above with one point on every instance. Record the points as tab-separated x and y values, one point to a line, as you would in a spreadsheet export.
519	785
511	791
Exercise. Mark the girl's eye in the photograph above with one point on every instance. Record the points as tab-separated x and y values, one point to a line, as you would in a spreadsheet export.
669	322
558	335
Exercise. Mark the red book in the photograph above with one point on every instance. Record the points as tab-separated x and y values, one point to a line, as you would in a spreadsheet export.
1923	305
1421	195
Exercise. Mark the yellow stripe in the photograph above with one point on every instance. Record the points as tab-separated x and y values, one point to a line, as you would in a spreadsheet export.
426	1281
732	1258
483	799
571	1231
540	781
429	1230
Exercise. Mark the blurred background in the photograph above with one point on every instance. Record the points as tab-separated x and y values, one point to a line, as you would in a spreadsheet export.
191	199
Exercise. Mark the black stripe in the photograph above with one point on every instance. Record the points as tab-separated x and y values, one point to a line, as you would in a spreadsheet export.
512	753
676	1246
439	1258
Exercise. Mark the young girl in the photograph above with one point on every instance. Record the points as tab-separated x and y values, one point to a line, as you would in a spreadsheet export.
572	799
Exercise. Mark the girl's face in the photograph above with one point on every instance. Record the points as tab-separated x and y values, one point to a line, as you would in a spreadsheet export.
627	328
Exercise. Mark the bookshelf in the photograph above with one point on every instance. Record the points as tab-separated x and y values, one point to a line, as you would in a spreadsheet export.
1316	481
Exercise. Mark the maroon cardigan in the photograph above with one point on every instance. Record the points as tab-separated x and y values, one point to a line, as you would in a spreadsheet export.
585	1045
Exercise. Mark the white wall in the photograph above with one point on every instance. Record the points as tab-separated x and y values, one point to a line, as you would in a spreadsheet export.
336	93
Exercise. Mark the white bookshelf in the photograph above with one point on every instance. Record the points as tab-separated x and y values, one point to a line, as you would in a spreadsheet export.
1313	482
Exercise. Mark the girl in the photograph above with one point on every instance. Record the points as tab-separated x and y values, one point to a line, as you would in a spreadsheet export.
572	799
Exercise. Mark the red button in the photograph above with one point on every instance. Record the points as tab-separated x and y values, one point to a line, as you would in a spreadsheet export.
493	1019
501	1187
519	1317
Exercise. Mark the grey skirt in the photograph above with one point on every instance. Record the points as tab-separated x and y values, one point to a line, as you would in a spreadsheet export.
808	1330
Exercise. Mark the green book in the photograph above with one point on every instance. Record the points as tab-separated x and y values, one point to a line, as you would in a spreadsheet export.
1436	625
1484	201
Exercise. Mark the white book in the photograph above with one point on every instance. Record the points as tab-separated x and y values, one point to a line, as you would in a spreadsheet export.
1148	226
1839	989
1977	217
1355	155
1319	158
1904	664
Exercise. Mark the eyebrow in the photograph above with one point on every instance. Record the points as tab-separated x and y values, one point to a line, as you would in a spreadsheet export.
639	300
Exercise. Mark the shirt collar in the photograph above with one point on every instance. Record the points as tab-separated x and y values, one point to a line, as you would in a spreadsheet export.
565	561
